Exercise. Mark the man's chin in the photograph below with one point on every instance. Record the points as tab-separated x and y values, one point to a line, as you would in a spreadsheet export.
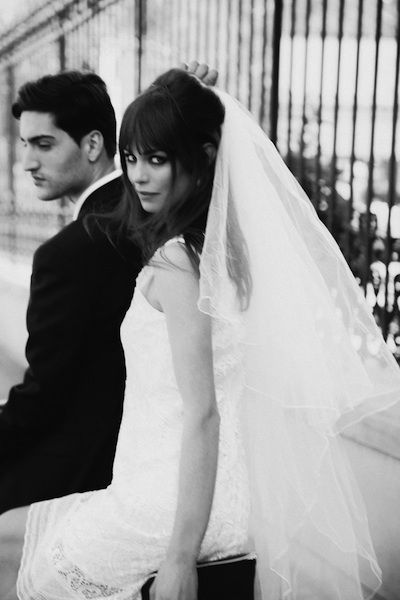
45	196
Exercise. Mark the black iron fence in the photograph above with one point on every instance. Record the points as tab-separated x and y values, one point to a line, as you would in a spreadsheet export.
321	76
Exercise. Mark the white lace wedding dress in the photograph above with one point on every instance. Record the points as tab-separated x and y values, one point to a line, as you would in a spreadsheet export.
105	544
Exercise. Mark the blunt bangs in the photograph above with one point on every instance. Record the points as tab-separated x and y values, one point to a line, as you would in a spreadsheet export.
152	123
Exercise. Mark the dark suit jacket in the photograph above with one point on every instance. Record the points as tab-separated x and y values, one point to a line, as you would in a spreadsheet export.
58	429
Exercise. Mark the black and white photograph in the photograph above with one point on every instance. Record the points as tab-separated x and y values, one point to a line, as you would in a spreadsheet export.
199	300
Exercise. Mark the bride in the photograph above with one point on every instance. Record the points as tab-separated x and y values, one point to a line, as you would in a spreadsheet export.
248	348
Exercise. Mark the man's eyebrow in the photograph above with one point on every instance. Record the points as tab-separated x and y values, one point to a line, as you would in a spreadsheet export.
38	138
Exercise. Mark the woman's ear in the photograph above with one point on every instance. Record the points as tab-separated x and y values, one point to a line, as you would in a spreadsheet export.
211	151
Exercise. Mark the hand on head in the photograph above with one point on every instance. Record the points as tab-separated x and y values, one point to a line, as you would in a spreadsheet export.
202	71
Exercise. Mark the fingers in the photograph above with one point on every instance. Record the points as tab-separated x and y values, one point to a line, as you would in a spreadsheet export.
193	66
211	77
201	71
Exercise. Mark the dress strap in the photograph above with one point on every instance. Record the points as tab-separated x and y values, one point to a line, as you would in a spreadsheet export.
177	238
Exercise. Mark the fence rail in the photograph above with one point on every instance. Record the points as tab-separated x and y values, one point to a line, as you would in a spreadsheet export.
321	76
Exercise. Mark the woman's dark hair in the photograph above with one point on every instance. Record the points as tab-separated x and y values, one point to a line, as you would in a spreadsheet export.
78	101
177	114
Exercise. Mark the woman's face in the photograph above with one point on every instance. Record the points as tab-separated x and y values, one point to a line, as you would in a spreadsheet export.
151	175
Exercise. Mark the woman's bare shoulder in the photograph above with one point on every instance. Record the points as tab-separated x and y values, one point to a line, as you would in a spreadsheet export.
173	256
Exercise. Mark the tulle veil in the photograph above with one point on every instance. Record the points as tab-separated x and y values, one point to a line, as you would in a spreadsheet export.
313	361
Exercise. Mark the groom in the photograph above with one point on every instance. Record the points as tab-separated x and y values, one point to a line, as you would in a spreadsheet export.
59	427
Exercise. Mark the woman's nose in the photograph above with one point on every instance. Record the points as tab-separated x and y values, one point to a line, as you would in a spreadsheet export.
140	172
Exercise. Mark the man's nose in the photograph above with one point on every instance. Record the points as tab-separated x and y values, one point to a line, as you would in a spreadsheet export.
29	160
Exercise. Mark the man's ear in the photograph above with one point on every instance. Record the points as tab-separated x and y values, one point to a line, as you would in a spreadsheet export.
93	144
210	150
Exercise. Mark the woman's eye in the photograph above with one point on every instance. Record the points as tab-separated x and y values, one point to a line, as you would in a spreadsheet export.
44	146
130	158
157	159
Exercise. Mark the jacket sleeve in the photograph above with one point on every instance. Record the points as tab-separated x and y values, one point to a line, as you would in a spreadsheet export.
59	309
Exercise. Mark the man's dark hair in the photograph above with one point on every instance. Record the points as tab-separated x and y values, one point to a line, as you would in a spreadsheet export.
78	101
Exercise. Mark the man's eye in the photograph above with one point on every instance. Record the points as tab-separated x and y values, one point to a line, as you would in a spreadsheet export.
44	146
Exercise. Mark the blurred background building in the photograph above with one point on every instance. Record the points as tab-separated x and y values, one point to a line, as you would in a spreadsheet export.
321	77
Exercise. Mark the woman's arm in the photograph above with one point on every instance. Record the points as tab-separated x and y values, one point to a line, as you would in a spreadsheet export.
176	289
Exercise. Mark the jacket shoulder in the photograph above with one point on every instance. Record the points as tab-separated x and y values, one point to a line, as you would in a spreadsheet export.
75	246
70	241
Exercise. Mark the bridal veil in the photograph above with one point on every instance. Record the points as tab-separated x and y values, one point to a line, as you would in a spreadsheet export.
313	360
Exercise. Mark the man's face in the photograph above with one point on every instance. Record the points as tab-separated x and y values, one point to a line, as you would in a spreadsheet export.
59	167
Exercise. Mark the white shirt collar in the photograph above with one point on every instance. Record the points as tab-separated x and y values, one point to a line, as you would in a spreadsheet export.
94	186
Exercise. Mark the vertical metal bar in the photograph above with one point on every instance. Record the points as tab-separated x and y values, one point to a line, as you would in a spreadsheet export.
83	43
176	41
11	137
261	115
392	181
61	52
251	56
193	30
276	43
139	20
214	31
165	28
332	204
239	48
176	32
304	104
347	246
217	34
134	30
319	115
62	202
11	159
371	161
98	37
183	30
198	29
207	26
228	42
87	27
290	99
74	41
78	53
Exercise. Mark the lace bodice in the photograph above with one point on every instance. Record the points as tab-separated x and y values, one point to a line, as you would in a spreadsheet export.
154	411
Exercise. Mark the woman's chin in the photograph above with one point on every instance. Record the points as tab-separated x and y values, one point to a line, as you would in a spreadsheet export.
149	207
